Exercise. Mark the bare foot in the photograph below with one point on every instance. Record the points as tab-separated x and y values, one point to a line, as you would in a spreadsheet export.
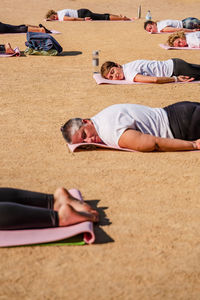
62	196
69	216
8	49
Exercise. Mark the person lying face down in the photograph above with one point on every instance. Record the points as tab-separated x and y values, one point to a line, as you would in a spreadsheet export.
82	14
187	25
152	71
180	39
138	127
7	28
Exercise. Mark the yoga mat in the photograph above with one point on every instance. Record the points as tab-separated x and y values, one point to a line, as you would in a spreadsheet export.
46	20
17	53
10	238
93	146
52	32
100	80
166	47
55	32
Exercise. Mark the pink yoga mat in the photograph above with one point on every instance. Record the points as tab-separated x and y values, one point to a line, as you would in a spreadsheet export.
92	146
166	47
17	53
100	80
38	236
46	20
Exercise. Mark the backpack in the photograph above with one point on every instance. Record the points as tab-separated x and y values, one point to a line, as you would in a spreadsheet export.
42	41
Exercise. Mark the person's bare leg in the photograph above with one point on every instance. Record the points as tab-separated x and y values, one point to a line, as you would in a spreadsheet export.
118	18
62	196
69	216
8	49
36	29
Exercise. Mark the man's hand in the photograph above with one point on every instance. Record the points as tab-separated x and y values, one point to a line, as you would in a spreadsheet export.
183	78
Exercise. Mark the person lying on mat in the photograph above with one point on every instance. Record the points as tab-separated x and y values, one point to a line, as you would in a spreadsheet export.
188	25
21	209
6	48
7	28
82	14
152	71
180	39
173	128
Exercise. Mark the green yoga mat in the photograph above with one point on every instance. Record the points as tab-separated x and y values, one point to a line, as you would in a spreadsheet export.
73	241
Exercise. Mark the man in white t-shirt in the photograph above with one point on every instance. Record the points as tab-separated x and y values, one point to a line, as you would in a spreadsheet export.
187	25
82	14
151	71
180	39
138	127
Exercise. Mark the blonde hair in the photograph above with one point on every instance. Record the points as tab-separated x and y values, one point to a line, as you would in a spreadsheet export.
174	36
105	68
50	13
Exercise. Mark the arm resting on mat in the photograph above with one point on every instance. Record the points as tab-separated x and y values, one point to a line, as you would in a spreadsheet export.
76	19
153	79
172	29
138	141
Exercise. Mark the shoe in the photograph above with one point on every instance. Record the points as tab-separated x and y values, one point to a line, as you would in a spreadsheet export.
46	30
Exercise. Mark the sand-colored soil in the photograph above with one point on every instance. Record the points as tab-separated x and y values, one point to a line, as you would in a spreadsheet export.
148	241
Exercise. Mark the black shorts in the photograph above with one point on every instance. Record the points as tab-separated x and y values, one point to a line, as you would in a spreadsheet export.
7	28
182	67
184	120
83	13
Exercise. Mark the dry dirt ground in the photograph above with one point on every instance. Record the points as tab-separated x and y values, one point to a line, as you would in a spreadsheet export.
148	240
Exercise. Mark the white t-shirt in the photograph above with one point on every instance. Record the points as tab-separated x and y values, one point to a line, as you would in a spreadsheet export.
169	23
193	39
68	13
111	122
149	68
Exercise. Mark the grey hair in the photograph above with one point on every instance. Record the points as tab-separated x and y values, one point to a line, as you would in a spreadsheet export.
70	128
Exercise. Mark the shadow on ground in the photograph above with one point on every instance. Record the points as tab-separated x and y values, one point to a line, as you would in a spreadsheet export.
101	237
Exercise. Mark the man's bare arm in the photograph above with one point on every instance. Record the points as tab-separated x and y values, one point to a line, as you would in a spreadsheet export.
160	80
138	141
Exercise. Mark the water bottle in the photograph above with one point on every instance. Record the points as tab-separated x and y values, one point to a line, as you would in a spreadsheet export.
148	16
139	12
95	61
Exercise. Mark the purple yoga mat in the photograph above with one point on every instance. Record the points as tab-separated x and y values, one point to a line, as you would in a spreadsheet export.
37	236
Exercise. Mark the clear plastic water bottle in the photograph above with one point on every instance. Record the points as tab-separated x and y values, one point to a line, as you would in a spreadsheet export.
139	12
148	16
95	61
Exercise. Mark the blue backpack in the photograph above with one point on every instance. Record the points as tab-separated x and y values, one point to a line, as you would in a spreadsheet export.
42	41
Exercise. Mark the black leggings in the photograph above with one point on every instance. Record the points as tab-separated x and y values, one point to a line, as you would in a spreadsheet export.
184	120
20	209
83	13
7	28
181	67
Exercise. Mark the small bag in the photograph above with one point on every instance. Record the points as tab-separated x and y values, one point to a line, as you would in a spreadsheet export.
42	42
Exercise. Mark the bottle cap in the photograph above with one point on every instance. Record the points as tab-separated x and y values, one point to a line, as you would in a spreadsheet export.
95	52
